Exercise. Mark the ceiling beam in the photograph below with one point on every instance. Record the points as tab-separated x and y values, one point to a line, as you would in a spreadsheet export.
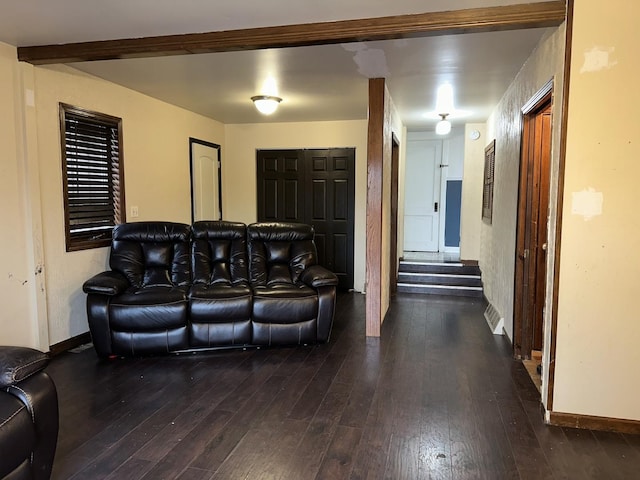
510	17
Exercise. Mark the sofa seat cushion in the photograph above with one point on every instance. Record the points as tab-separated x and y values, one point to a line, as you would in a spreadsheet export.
284	303
219	303
17	434
149	309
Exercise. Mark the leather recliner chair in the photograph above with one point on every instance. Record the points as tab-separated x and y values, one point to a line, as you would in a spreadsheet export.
141	305
28	415
293	297
220	296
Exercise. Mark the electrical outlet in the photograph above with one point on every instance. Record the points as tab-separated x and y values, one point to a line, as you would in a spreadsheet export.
134	212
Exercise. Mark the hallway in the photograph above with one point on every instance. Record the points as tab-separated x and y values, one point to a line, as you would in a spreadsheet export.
437	396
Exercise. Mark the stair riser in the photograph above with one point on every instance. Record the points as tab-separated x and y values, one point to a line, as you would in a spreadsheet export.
440	291
439	268
465	280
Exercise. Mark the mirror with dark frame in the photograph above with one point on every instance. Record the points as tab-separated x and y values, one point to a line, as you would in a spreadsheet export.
206	191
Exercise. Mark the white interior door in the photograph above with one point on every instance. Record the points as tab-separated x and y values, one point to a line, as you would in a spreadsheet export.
422	196
205	182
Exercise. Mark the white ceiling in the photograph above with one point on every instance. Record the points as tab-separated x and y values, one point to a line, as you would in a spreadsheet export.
326	82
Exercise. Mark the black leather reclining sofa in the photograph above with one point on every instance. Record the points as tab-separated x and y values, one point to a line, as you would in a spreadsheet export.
174	287
28	415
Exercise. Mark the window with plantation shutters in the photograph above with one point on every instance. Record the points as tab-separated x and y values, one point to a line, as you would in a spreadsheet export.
92	176
489	172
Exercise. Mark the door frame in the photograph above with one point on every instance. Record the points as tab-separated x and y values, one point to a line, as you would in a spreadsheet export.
393	236
442	206
523	327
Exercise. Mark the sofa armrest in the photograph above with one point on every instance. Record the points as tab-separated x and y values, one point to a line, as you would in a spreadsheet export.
317	276
37	393
19	363
106	283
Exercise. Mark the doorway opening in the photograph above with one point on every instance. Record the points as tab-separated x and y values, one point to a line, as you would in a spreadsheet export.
433	187
532	231
422	194
393	236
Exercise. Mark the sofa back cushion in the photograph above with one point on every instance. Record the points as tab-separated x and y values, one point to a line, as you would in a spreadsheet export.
219	253
152	253
279	252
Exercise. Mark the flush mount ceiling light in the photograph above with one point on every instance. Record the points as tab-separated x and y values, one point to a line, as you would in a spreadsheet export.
443	126
266	104
445	110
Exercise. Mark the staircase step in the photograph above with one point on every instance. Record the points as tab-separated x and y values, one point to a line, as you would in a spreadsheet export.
436	278
459	291
434	267
440	279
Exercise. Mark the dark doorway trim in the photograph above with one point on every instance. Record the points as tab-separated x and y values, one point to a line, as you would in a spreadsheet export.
473	20
560	202
393	240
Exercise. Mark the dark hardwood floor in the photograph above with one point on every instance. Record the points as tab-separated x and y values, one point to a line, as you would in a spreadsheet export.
437	396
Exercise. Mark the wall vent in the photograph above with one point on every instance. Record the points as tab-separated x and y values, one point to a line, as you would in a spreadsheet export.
494	319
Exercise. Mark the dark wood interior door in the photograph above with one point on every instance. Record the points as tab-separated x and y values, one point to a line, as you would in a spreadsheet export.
533	210
317	187
280	186
329	205
539	233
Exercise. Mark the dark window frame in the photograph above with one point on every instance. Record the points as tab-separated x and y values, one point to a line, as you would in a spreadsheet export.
489	177
94	229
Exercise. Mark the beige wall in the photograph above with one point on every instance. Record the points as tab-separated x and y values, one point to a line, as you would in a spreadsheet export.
598	326
155	145
472	182
21	285
239	168
497	240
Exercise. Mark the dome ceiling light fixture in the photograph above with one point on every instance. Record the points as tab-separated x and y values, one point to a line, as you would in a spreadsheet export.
443	127
445	110
266	104
444	107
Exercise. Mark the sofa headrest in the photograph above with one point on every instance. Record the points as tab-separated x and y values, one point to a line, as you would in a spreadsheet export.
279	232
152	232
210	230
152	253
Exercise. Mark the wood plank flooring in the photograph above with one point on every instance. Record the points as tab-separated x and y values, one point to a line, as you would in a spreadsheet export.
437	396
